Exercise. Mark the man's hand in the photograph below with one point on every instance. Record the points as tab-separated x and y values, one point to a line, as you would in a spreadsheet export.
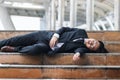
76	56
53	41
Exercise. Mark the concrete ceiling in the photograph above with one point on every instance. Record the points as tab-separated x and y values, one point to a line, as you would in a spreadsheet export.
102	7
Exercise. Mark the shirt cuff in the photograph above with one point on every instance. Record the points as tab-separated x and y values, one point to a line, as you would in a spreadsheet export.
77	53
56	35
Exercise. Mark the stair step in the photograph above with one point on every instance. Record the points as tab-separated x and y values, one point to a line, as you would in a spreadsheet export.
93	66
100	35
111	37
88	59
113	47
105	35
59	72
61	59
17	58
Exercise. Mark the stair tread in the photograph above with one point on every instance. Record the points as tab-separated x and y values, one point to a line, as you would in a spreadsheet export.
60	73
61	59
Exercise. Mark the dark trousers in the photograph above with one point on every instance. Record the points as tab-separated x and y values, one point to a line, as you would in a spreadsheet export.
32	43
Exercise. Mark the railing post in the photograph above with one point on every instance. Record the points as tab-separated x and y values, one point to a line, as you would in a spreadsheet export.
73	12
53	15
90	14
117	14
60	13
6	20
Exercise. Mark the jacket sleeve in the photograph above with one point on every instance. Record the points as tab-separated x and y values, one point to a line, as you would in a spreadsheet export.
65	29
80	32
82	51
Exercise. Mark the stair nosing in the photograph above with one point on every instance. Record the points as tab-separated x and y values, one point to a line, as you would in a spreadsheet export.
56	66
15	53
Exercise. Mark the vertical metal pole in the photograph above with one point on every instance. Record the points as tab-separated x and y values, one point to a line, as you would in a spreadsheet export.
47	16
73	9
117	14
53	15
90	14
6	19
61	13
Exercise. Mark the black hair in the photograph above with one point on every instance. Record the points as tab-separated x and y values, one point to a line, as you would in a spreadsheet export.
101	48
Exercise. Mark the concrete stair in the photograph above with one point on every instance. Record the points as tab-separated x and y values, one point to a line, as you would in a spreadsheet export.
93	66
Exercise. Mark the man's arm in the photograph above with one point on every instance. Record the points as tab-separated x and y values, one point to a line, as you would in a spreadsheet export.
79	52
53	40
80	32
65	29
57	34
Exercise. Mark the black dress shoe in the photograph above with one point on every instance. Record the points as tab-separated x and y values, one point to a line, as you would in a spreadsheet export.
7	49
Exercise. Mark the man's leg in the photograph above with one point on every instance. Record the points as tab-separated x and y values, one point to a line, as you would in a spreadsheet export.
34	49
23	40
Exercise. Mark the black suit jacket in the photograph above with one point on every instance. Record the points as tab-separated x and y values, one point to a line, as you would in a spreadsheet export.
67	36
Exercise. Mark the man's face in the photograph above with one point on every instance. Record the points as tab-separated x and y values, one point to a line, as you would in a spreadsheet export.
92	44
